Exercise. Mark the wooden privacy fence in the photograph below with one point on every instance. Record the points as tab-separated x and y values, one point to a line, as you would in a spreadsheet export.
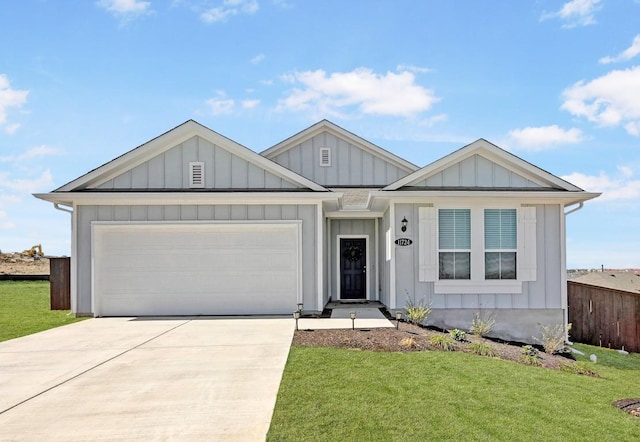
604	317
60	283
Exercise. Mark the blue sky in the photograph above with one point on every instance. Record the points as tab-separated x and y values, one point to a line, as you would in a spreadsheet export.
555	82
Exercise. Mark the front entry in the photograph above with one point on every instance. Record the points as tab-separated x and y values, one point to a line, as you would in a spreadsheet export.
353	268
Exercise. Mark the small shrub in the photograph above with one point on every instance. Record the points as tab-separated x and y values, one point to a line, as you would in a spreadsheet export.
458	335
578	368
553	338
482	349
417	313
409	342
529	356
482	324
443	342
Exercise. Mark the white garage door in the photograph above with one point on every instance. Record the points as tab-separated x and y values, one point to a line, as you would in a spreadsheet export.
196	269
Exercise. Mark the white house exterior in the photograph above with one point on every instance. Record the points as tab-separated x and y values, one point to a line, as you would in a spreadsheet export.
192	223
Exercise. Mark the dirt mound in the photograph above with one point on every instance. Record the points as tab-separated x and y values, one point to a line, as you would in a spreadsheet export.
19	264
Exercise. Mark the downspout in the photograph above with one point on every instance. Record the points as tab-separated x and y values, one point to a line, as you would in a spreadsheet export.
564	275
575	209
57	207
74	307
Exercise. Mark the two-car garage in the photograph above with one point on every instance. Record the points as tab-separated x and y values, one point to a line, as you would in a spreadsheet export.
194	268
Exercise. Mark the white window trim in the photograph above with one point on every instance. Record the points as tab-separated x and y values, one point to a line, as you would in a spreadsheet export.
526	253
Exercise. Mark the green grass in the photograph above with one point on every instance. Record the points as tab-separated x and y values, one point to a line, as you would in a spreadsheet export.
332	394
24	309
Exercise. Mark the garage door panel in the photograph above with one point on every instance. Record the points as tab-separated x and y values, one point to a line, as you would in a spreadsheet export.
189	269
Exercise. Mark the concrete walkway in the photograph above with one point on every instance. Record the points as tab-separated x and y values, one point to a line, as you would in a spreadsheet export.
144	379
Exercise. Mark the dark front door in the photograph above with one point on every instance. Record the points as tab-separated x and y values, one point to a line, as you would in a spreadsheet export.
353	268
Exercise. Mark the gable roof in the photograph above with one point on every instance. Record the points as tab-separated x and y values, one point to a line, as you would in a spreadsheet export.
615	280
493	153
168	140
328	126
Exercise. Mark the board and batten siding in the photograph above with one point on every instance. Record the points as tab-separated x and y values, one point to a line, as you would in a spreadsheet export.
350	164
476	171
543	293
87	214
222	170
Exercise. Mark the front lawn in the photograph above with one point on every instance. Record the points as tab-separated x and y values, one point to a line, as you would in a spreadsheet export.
24	309
339	394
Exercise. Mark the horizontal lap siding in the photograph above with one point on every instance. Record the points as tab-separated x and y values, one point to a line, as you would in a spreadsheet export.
306	213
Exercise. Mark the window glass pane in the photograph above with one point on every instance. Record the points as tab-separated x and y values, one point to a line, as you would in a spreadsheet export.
508	265
454	228
500	265
463	265
508	223
446	265
455	265
500	230
492	265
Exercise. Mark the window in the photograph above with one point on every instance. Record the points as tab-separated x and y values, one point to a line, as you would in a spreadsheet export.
500	243
454	243
325	157
477	250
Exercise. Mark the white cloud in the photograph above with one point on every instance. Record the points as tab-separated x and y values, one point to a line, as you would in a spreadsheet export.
431	121
544	137
626	171
229	8
414	69
126	10
391	94
625	55
220	106
621	187
27	185
5	224
575	13
38	151
250	104
257	59
610	100
9	98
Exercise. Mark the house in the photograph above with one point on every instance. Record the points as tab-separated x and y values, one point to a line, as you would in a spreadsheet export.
194	223
604	309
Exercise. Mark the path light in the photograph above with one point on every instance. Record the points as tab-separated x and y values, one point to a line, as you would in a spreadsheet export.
296	316
300	305
398	318
352	315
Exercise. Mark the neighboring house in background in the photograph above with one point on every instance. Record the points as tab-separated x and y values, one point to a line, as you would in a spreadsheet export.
192	223
604	309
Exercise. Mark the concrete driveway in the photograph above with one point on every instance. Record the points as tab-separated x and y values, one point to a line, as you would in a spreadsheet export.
144	379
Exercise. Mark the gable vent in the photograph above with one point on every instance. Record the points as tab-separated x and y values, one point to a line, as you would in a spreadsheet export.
196	175
325	157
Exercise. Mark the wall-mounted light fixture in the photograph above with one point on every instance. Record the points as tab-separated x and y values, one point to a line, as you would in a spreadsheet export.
300	305
352	315
404	224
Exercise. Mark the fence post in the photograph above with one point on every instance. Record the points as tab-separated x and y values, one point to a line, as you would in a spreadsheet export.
60	283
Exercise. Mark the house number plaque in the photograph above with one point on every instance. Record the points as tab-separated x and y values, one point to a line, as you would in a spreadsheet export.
403	242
